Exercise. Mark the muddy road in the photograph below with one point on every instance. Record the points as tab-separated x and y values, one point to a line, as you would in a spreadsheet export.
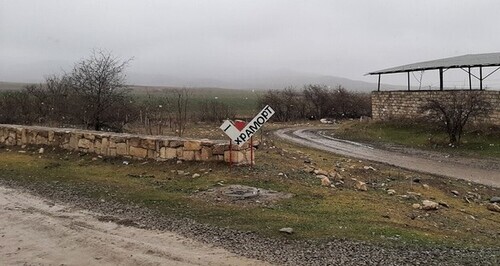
34	231
482	171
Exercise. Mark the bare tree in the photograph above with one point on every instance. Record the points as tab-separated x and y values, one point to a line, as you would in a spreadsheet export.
100	82
180	105
453	113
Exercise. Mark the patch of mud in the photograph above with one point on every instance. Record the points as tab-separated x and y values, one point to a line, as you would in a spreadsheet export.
240	194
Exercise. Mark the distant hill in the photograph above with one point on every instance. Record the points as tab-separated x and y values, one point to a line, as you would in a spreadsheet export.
242	80
12	85
257	80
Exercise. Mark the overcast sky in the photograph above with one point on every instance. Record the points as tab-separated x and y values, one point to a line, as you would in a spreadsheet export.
218	39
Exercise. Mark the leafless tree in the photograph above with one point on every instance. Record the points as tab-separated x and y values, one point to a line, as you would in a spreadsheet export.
214	111
180	104
453	113
100	82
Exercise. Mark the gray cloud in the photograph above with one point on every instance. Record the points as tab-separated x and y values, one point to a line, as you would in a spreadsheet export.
226	39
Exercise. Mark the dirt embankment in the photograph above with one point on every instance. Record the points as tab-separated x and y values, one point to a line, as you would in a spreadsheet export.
36	231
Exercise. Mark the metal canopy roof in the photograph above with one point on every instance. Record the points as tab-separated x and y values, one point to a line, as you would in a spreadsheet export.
470	60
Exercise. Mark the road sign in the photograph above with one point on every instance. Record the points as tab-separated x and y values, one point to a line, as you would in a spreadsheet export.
242	136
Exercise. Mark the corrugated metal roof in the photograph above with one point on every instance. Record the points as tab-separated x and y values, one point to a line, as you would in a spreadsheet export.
470	60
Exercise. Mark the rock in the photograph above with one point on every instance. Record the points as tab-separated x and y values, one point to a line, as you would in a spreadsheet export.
307	160
369	168
325	181
413	194
416	206
416	179
179	161
125	162
41	150
454	192
280	174
320	172
196	175
429	205
180	172
360	185
287	230
321	176
495	199
444	204
493	207
391	192
425	186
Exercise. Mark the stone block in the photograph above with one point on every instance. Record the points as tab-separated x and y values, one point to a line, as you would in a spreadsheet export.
168	153
138	152
206	153
192	145
84	144
121	149
135	142
188	155
175	143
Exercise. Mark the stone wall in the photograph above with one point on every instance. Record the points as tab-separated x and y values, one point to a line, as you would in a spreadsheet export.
406	104
126	145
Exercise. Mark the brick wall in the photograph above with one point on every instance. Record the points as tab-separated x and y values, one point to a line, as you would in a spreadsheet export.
406	104
126	145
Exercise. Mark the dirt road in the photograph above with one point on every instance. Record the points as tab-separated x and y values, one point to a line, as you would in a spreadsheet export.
480	171
37	232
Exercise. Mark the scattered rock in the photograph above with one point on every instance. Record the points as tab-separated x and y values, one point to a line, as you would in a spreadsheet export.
444	204
180	172
369	168
391	192
493	207
416	179
416	206
320	172
413	194
360	185
325	181
495	199
280	174
196	175
425	186
307	160
287	230
179	161
125	162
321	176
454	192
429	205
41	150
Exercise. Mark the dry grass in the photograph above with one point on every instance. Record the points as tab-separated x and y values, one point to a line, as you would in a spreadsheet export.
315	212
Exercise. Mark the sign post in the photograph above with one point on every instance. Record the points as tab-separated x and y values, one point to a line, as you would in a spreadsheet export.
239	133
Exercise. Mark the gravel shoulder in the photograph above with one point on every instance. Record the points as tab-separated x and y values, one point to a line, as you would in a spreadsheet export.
485	172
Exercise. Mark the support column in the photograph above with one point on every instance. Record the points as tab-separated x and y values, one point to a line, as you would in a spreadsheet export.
470	81
441	79
408	80
378	87
480	78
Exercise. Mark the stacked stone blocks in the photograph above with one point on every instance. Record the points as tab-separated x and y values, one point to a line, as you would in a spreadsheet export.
109	144
407	104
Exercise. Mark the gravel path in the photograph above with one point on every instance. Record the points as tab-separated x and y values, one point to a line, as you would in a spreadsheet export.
487	173
281	251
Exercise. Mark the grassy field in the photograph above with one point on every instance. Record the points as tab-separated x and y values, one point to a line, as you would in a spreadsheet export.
314	212
474	142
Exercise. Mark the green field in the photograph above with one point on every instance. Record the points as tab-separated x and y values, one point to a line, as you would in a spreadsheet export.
242	102
484	142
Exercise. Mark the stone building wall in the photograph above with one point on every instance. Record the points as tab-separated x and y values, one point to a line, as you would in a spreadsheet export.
126	145
406	104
